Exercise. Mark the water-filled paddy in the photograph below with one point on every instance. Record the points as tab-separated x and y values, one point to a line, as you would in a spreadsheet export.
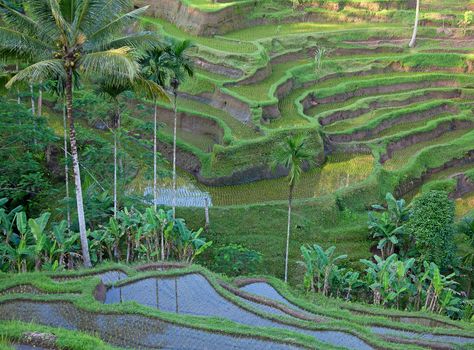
193	294
133	331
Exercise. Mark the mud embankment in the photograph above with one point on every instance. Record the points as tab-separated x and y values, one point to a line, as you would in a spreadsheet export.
339	115
366	134
464	185
412	184
424	136
229	72
312	99
192	20
192	123
217	99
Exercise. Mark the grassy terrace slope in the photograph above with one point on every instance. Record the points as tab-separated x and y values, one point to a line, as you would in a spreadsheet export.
261	84
203	309
380	116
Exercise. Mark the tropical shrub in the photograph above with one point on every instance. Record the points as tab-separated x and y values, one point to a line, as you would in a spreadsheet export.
235	259
24	142
432	227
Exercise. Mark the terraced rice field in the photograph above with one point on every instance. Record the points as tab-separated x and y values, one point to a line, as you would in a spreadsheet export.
177	307
370	98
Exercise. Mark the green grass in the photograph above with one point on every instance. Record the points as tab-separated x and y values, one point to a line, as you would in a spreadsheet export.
400	157
338	172
211	5
260	91
271	30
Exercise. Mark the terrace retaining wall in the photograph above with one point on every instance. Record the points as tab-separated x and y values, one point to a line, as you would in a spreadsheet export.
410	185
191	123
386	124
198	22
424	136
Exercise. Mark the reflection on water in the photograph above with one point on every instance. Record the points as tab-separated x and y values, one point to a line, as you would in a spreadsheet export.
192	294
132	331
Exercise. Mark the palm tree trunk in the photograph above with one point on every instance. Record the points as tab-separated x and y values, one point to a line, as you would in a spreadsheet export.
290	199
66	169
77	173
32	100
116	124
415	28
40	101
155	189
174	151
115	173
162	231
18	97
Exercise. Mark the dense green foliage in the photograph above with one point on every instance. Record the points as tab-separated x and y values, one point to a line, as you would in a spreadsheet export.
432	227
28	243
235	260
25	145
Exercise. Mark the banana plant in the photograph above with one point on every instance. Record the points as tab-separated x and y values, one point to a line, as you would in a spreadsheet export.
378	277
351	281
117	233
17	255
37	228
187	243
129	220
389	226
439	286
7	218
67	244
321	267
307	263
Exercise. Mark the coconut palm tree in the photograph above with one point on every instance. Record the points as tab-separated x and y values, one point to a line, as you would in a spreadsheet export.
168	66
141	86
181	66
155	70
64	38
415	28
113	93
293	154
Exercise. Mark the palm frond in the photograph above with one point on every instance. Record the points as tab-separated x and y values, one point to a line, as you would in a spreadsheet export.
149	89
111	28
99	13
293	154
61	24
41	11
39	72
118	65
23	45
140	40
15	19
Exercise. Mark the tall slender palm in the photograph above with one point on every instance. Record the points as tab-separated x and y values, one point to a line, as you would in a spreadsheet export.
415	28
113	92
168	66
141	86
293	154
181	66
68	37
155	70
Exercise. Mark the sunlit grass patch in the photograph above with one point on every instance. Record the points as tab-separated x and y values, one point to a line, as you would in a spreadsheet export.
340	170
465	205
